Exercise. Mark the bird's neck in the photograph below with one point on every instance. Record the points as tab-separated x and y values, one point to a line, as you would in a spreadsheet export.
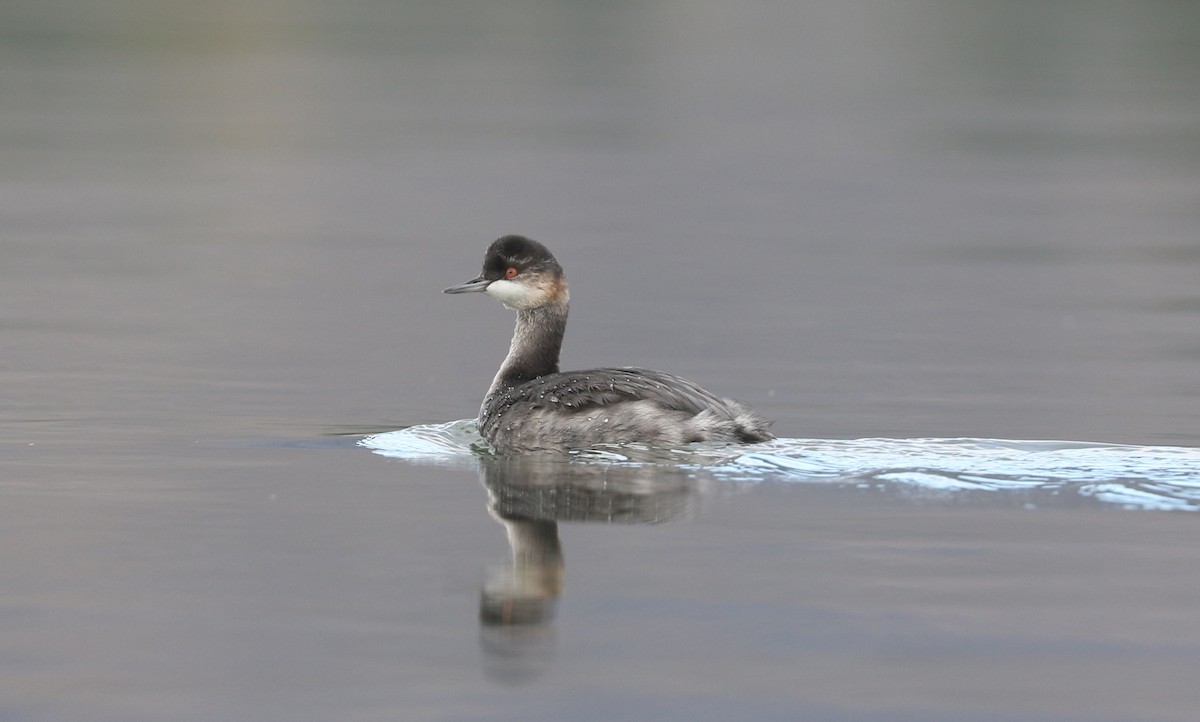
535	346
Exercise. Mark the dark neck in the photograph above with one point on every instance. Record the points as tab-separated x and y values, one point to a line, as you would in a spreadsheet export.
536	342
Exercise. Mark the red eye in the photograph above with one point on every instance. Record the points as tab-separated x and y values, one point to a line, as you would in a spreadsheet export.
510	273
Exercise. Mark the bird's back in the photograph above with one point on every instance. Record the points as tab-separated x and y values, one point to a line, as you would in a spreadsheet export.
578	409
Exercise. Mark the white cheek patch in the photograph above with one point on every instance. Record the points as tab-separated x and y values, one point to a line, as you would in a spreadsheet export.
513	295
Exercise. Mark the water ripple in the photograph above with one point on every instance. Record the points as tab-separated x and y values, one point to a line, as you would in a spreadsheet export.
1136	477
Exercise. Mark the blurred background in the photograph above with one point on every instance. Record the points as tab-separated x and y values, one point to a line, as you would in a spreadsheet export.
868	219
225	226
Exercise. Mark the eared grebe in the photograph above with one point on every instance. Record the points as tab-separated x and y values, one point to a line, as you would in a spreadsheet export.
532	406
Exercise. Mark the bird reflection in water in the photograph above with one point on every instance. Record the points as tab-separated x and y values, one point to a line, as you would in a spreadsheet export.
530	494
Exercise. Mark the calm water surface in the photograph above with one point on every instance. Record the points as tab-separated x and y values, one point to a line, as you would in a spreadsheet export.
225	230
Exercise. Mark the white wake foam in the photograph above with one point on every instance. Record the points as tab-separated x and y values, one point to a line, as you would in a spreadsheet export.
1143	477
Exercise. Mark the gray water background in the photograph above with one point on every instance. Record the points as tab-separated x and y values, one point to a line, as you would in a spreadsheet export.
223	232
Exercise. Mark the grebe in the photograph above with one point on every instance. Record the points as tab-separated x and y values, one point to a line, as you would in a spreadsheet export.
532	406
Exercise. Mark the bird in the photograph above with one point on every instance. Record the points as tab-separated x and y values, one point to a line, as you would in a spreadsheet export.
532	406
